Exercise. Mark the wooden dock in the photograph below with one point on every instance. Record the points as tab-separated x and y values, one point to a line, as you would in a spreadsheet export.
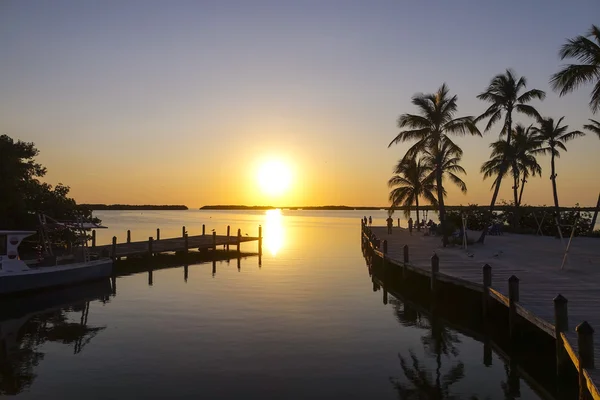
537	286
185	243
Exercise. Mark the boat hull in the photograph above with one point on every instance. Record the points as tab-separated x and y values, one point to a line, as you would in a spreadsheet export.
41	278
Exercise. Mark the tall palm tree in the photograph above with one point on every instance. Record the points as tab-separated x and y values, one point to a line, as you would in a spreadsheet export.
434	124
519	156
526	143
585	50
505	93
594	127
412	179
554	138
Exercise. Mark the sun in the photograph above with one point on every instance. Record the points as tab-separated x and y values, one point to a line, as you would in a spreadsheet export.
274	177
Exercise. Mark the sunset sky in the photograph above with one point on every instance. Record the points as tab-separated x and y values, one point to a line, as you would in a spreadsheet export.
183	102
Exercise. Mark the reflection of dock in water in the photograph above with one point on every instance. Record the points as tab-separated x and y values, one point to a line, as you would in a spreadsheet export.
28	322
413	307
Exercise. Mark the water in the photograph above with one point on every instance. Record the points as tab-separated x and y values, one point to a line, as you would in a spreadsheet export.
306	324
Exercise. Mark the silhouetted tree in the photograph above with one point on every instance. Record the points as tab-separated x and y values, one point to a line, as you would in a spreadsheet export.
585	50
505	93
554	136
593	127
412	179
432	129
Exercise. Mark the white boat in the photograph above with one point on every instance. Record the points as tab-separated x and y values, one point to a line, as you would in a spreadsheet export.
17	276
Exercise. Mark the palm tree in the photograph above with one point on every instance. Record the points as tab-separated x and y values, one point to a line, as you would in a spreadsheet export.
593	127
504	94
525	144
412	180
554	138
519	155
586	50
433	125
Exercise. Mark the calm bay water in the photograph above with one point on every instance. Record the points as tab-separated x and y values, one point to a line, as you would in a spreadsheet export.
306	324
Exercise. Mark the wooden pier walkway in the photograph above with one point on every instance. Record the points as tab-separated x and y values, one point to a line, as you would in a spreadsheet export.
535	261
180	244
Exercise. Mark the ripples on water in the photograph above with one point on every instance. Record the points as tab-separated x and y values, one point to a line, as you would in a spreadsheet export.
307	324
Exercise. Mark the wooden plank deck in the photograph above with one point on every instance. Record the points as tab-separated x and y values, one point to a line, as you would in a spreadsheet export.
199	242
535	261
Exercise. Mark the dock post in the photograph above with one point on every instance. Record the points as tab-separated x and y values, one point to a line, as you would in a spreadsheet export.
405	250
128	236
260	239
228	230
398	222
435	269
585	346
183	231
157	233
93	238
150	245
214	243
513	298
239	240
561	324
113	252
185	243
487	283
203	229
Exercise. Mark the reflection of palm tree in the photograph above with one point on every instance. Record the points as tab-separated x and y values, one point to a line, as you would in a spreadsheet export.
420	382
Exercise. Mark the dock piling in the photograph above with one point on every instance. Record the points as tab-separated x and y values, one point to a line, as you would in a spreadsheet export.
150	246
128	236
203	229
487	283
157	233
561	324
113	252
585	345
260	239
435	269
93	238
239	240
228	230
214	242
183	231
513	298
185	243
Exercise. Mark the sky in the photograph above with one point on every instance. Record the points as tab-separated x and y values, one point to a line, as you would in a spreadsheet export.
184	102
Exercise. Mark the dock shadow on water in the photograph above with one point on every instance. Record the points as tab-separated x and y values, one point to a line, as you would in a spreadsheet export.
461	356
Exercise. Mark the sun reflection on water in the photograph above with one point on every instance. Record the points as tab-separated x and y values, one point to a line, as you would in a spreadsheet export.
274	233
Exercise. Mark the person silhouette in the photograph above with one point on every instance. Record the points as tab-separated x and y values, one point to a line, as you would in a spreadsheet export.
410	225
390	222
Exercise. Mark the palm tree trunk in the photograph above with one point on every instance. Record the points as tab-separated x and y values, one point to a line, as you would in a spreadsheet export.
442	208
417	205
516	200
523	180
554	191
492	205
595	214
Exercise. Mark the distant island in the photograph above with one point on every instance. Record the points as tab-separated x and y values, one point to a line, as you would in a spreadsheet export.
124	207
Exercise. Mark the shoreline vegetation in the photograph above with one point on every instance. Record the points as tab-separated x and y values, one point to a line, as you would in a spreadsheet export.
124	207
506	207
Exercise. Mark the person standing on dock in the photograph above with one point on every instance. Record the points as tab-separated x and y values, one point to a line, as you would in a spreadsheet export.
370	221
390	223
410	225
